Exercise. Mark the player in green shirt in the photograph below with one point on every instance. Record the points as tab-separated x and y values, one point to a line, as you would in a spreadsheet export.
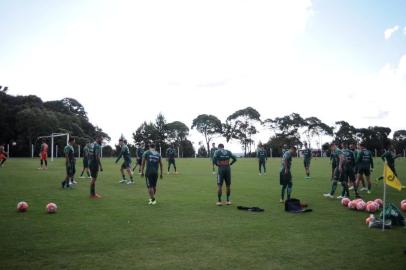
221	159
125	153
170	155
85	161
69	163
212	151
140	151
365	166
152	159
349	172
334	162
285	175
94	154
389	156
307	155
262	157
339	175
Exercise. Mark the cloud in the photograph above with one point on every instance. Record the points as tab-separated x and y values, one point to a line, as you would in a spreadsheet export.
389	32
379	115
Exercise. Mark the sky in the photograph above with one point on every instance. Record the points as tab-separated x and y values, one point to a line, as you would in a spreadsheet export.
127	61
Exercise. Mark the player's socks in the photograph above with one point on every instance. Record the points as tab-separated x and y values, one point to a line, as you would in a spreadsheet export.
289	191
333	188
92	189
219	197
283	193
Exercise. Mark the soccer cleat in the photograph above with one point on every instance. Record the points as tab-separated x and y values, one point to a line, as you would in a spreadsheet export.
281	201
130	182
82	176
340	197
363	189
219	203
228	203
150	201
74	182
351	188
122	181
153	202
214	173
369	192
96	196
328	195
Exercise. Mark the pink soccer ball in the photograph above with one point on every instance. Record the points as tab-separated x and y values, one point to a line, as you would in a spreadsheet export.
361	205
403	206
402	202
369	202
379	201
345	201
22	206
51	208
352	205
372	207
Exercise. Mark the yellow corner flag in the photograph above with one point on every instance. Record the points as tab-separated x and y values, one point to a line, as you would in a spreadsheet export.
390	178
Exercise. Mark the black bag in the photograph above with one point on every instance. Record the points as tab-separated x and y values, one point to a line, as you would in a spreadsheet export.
294	206
393	213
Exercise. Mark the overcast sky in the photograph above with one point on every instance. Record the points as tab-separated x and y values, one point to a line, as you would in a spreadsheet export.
126	61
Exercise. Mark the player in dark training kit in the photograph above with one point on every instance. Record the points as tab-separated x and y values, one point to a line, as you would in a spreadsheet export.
389	156
307	155
69	163
140	151
365	166
334	163
170	155
349	172
262	157
153	160
125	153
285	175
338	173
94	153
221	159
212	151
85	161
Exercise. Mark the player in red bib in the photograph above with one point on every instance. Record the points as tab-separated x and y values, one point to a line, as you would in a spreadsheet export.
44	156
3	155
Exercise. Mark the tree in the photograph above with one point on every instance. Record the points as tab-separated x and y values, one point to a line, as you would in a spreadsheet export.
345	133
315	127
146	133
241	126
286	128
276	143
202	152
374	138
209	126
399	140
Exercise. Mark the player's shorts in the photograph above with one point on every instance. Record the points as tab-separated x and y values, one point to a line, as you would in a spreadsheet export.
364	170
85	163
285	179
44	156
139	161
224	175
126	164
151	179
349	174
94	170
306	163
3	157
261	162
340	176
70	169
355	169
171	161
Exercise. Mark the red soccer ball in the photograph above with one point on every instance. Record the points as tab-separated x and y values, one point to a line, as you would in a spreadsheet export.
22	206
372	207
403	206
51	208
345	202
402	202
361	205
379	201
352	204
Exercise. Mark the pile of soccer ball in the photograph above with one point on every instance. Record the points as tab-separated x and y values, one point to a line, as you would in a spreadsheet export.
403	205
360	205
50	208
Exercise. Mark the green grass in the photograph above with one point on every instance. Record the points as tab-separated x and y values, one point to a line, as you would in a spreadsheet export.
185	230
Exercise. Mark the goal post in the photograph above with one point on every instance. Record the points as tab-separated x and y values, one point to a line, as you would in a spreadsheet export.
52	136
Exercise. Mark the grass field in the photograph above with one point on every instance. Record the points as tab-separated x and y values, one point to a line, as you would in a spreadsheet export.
185	230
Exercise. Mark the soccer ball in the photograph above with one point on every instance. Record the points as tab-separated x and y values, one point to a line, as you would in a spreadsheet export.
369	202
361	206
345	201
402	202
379	201
352	204
403	206
51	208
22	206
372	207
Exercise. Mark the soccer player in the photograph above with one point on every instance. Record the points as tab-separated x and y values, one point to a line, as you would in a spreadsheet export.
221	159
334	163
349	172
365	166
93	155
338	173
125	153
170	156
85	161
284	149
360	178
43	156
140	151
285	175
212	151
262	157
307	154
3	155
153	160
69	163
389	156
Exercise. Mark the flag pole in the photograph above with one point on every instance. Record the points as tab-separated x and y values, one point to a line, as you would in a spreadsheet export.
384	196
